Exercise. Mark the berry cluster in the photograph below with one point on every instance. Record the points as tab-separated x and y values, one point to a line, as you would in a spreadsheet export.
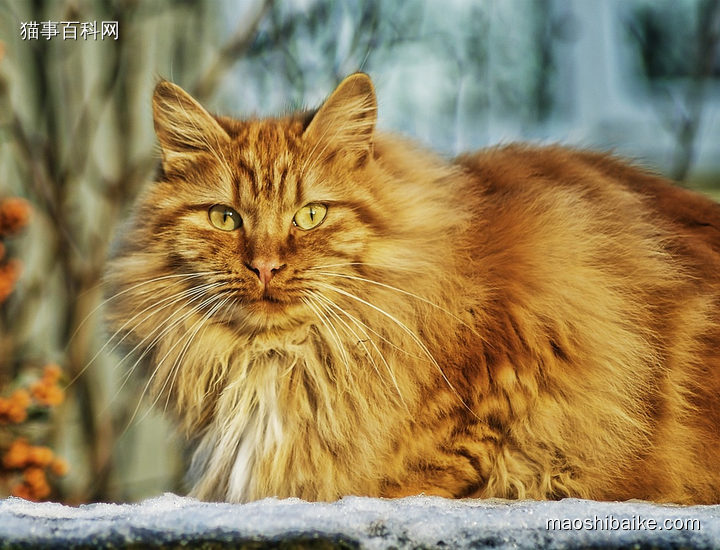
24	467
14	215
34	462
14	409
45	392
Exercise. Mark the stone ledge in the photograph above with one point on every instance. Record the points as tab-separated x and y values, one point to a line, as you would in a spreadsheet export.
355	522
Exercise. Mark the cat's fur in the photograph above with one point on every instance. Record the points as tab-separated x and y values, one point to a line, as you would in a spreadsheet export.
521	322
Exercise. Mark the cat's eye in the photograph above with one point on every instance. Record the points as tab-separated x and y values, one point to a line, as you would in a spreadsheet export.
223	217
310	216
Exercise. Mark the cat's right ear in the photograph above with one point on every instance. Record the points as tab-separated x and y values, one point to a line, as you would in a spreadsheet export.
182	125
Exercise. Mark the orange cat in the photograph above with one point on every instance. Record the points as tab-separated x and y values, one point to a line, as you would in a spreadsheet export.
329	311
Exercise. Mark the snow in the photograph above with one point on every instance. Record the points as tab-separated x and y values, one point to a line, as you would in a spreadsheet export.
357	522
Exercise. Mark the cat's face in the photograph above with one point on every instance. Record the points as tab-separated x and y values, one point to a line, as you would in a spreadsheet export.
258	211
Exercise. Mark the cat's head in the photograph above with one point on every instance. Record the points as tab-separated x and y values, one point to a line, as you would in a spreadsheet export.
260	222
255	208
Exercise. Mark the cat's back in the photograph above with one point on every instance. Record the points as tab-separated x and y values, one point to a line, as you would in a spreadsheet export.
601	185
693	218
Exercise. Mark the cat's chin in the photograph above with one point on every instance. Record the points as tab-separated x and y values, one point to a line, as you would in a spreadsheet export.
272	315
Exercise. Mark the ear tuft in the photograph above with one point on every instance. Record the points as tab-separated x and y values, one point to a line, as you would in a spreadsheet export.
346	121
182	125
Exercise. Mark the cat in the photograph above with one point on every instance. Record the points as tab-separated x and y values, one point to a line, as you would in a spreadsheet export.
329	310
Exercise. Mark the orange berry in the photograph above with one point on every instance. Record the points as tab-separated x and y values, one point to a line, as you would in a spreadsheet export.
17	455
9	274
17	414
16	408
6	409
34	475
42	491
47	393
14	214
21	398
40	456
36	480
22	490
6	286
52	372
56	396
59	467
5	413
38	389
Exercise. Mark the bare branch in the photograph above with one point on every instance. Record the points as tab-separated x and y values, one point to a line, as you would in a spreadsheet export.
229	54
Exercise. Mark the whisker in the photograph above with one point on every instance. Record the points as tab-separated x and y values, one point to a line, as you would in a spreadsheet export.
138	285
410	333
370	264
233	301
168	327
333	333
331	304
201	324
173	299
368	327
194	310
352	333
400	290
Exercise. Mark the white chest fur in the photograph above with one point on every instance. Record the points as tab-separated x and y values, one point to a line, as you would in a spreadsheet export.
248	424
262	433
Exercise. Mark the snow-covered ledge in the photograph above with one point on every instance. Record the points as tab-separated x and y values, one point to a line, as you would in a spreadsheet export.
356	522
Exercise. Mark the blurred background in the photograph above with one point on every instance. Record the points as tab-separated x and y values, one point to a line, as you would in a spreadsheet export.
640	77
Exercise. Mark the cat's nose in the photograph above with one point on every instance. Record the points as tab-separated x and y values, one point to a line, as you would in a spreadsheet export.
265	268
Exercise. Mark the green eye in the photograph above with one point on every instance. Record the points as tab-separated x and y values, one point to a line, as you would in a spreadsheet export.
224	217
310	216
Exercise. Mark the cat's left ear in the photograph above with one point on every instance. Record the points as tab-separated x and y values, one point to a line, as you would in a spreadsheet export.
346	121
182	125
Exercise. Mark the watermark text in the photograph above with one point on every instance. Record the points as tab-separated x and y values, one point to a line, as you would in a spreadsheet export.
633	523
69	30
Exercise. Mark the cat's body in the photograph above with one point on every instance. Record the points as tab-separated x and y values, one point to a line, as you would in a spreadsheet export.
524	322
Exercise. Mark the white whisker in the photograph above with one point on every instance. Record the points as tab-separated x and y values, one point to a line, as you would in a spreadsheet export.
409	332
207	301
173	299
368	327
401	291
173	323
369	264
349	330
331	304
130	289
201	324
333	333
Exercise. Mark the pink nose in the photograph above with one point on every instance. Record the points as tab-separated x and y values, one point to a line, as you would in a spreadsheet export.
265	268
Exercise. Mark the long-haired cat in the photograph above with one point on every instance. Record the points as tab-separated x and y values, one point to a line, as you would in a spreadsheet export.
329	310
